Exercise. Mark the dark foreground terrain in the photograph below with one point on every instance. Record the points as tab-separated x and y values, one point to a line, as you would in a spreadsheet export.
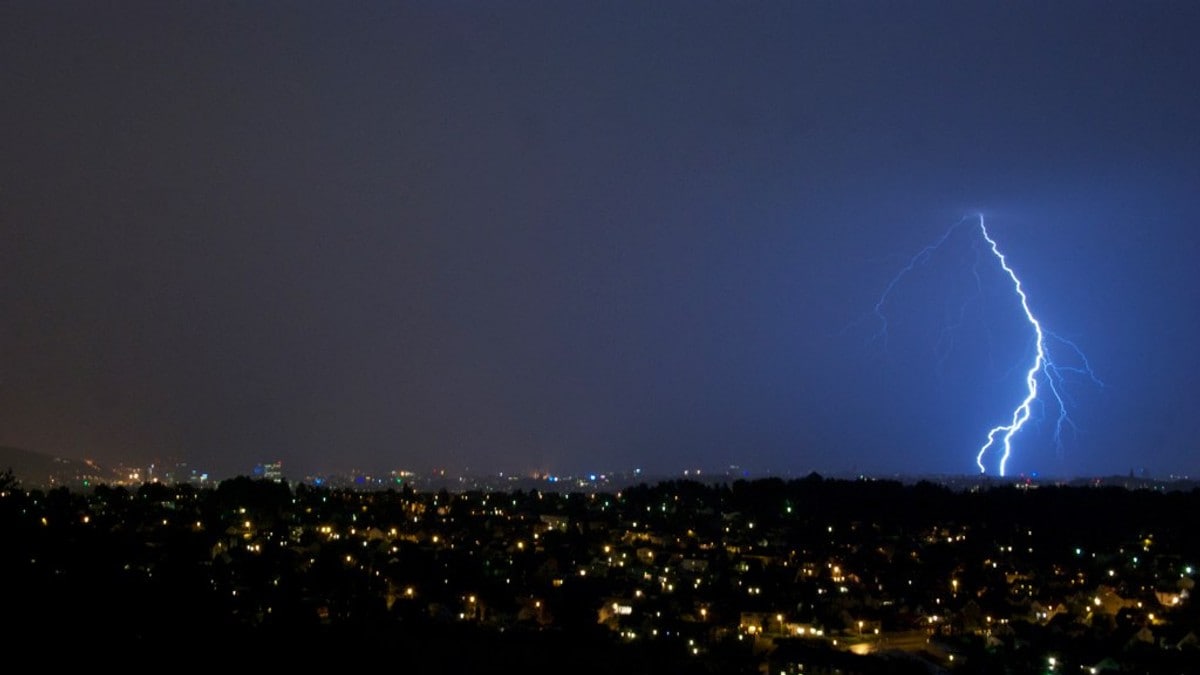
807	576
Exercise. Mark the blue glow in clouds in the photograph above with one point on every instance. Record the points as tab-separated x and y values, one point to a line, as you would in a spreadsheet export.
1043	366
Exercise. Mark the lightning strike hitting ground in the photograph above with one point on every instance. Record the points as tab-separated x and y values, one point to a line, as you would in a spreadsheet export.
1043	364
1021	413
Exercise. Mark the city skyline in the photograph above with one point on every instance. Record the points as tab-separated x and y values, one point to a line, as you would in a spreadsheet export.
568	238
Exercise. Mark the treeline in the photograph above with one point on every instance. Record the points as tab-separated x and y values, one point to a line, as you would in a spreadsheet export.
1091	516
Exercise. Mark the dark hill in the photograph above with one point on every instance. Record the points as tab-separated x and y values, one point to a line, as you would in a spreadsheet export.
37	470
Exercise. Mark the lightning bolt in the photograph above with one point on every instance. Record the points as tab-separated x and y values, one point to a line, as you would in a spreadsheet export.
919	259
945	343
1043	366
1021	414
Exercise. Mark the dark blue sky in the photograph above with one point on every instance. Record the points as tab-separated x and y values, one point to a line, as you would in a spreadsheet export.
583	236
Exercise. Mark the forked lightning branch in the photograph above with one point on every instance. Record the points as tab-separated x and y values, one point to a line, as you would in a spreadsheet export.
1043	369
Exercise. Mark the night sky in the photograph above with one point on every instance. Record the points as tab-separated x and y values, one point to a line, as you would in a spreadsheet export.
570	237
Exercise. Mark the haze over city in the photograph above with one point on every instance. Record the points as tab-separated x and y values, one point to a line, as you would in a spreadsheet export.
569	237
